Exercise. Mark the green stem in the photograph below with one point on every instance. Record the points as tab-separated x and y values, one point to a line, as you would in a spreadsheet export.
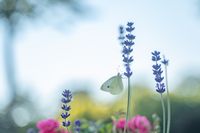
68	130
129	101
168	102
163	109
128	105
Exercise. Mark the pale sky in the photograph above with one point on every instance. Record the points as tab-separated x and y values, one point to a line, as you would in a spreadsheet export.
49	60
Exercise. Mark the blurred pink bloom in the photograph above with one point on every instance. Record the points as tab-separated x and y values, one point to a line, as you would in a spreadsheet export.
120	123
48	126
139	124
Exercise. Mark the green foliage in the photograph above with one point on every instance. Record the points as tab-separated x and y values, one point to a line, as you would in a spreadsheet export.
100	126
98	117
156	124
105	127
185	109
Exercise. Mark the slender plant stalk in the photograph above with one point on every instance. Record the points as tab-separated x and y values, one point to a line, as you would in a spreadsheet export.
68	130
128	105
129	101
163	109
168	102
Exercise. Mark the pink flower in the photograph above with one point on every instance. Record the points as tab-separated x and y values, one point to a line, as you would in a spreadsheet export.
48	126
139	124
120	123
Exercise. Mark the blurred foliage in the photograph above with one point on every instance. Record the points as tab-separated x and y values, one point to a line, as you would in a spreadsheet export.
84	105
189	87
156	123
14	10
185	107
99	126
18	114
97	115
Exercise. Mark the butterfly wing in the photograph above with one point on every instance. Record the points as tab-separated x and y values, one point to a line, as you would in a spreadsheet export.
107	84
117	85
114	85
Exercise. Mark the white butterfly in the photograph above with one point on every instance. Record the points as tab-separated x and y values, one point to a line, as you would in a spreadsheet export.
114	85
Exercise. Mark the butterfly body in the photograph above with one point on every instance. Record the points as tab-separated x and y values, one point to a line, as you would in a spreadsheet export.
113	85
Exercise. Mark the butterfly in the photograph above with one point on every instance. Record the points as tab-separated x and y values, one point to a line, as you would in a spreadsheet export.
113	85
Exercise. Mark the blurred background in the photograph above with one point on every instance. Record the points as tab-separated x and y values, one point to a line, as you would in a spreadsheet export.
51	45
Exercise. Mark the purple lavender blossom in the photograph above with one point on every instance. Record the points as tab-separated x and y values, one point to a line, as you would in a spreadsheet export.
77	124
157	71
127	43
67	97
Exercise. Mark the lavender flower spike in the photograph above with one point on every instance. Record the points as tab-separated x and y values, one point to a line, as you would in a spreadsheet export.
127	43
67	97
157	71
